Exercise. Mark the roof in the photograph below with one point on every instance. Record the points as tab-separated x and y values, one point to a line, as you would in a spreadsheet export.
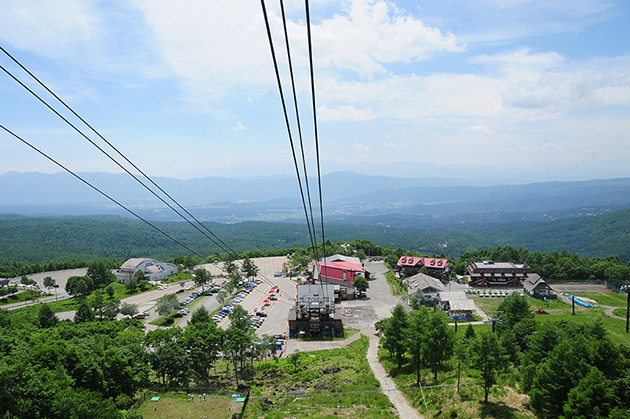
508	266
341	258
433	263
453	296
462	305
533	281
422	281
310	290
343	265
133	263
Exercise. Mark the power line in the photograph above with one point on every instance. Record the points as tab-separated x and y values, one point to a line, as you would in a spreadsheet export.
97	189
319	176
286	116
223	246
117	151
299	127
106	153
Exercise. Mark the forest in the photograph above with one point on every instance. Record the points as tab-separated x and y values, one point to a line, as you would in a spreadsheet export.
569	370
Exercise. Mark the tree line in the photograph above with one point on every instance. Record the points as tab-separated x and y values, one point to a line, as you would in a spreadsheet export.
570	370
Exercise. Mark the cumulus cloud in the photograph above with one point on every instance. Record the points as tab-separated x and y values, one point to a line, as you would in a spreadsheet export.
369	34
344	113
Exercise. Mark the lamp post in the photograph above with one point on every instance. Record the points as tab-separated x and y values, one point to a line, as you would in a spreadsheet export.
626	288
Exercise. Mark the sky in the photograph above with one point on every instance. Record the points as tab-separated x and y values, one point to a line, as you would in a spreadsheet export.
502	89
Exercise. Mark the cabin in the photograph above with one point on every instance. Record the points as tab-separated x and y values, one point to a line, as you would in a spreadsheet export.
429	286
536	287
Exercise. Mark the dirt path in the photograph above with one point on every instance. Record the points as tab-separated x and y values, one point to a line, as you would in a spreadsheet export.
609	311
405	411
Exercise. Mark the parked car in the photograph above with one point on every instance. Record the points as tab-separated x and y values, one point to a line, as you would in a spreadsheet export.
141	315
277	274
261	314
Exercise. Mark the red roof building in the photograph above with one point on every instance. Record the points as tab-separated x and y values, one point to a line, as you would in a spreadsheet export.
339	273
411	265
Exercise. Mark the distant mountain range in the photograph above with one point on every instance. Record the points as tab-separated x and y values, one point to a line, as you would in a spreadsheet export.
348	198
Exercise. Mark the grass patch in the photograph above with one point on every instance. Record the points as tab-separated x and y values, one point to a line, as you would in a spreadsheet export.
20	297
308	388
395	284
176	405
612	299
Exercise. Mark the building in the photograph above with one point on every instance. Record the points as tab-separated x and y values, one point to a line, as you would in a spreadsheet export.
456	304
536	287
338	272
411	265
491	274
429	286
314	312
153	270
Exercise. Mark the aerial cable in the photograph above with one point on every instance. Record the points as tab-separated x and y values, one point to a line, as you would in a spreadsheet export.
223	246
299	127
319	176
115	149
107	154
98	190
286	117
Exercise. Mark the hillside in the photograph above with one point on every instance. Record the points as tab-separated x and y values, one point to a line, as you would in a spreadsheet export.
40	239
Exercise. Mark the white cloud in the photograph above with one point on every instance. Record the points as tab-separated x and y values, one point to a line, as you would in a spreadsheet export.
238	127
369	34
523	59
483	129
46	28
391	145
362	147
558	93
345	113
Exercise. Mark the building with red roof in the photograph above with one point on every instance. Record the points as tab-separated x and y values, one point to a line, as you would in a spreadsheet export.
340	273
411	265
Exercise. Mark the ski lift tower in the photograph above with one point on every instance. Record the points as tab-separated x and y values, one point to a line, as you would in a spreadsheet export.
494	317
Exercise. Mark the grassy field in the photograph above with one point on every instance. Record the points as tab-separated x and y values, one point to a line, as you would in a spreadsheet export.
176	405
308	388
561	309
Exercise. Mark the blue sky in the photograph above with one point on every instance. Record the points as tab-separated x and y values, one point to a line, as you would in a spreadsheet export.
492	88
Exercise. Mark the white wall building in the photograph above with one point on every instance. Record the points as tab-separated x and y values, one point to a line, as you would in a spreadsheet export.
153	270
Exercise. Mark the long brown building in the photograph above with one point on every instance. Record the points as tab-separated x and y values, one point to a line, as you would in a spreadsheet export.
490	273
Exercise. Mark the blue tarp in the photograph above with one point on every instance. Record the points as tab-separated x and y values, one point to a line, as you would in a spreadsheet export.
580	302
